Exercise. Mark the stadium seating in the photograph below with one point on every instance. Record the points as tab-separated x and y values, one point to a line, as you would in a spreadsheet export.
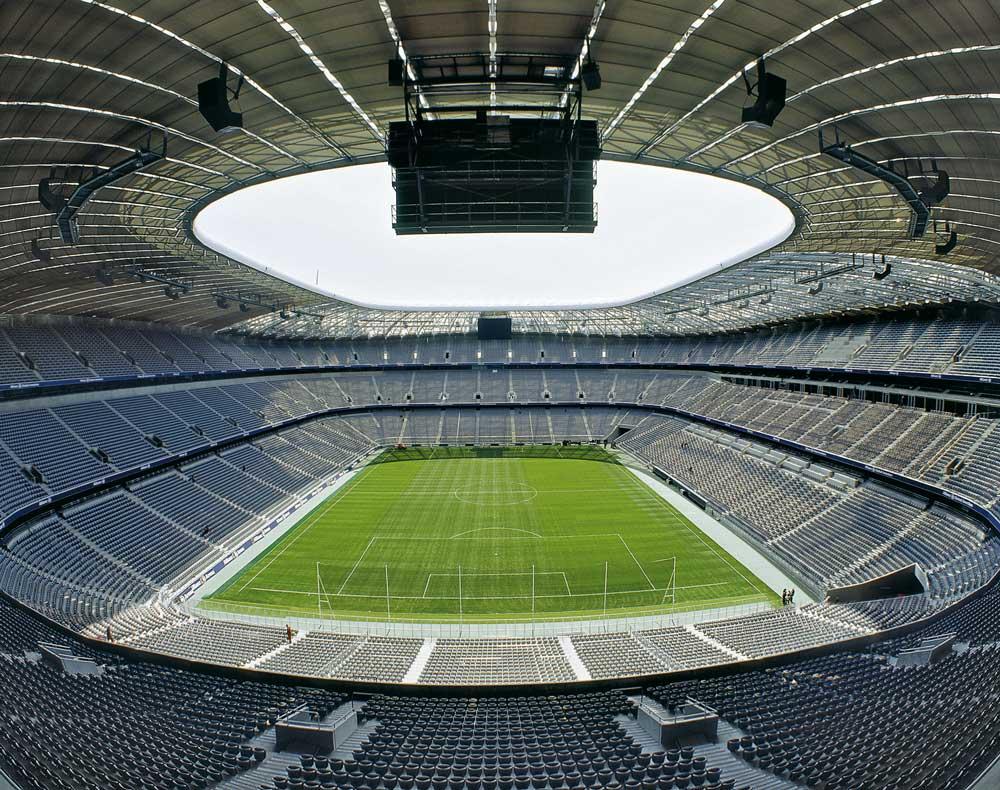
102	559
79	351
497	662
136	725
646	652
845	720
825	517
212	641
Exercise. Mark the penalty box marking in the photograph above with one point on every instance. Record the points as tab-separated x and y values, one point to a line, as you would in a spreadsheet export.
473	575
498	529
381	597
530	536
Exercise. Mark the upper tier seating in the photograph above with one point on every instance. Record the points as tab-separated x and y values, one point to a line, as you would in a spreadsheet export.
957	453
77	351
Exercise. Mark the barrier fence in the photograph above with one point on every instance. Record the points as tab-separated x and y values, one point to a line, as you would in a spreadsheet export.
519	628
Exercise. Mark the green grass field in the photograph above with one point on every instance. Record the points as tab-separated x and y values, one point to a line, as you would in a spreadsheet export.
490	534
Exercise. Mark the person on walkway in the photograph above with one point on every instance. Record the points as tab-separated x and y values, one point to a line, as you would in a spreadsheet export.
288	633
791	595
108	634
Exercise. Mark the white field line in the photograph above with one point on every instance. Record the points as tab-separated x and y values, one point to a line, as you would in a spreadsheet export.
505	537
442	493
595	594
527	498
494	529
476	574
639	564
641	487
311	520
356	564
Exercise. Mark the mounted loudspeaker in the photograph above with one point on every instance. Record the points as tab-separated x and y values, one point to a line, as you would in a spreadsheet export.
213	102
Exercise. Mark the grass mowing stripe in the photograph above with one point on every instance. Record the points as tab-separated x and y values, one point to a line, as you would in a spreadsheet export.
530	527
716	549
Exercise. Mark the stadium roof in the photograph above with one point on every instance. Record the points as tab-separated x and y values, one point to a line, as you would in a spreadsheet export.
87	81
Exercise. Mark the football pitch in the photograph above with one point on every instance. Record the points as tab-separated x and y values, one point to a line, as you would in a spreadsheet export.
486	534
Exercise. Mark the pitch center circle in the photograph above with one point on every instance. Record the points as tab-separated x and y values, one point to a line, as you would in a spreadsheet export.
512	494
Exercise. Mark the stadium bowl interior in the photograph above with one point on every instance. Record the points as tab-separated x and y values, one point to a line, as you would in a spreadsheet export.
289	499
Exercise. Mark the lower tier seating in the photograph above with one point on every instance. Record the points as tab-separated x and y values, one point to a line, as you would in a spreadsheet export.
840	721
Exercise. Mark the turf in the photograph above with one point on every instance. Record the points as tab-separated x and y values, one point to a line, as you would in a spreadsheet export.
488	534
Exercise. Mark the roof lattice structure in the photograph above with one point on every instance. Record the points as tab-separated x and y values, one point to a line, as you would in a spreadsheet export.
84	82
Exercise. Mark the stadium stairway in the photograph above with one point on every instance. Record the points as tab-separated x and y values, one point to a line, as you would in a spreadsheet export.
735	768
715	753
276	762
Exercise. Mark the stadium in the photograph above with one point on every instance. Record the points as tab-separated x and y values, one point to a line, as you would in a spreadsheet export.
491	395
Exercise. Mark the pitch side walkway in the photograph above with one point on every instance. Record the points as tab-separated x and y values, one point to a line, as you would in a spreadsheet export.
455	630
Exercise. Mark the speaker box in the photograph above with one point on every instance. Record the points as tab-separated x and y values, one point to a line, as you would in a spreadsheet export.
213	103
948	246
770	101
49	198
396	72
591	75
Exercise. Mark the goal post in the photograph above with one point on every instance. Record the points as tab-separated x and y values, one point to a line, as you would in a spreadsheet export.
670	589
321	593
466	594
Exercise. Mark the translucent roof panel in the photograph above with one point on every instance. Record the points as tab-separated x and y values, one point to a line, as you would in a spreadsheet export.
658	228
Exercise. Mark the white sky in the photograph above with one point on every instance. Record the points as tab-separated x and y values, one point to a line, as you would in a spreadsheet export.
657	227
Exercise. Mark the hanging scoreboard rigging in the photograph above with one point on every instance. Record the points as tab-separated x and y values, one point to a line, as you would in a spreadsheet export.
493	145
